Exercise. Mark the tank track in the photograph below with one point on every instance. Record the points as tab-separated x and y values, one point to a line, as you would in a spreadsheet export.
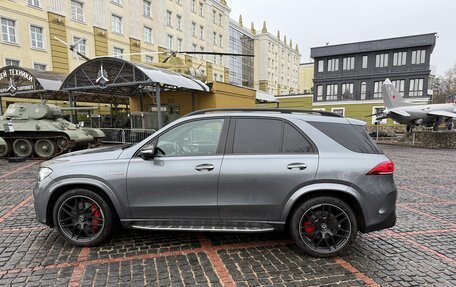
10	137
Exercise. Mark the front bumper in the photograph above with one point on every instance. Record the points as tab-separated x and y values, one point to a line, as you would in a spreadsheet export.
41	199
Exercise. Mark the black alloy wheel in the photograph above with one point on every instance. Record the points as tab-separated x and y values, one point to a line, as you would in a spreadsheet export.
323	226
83	218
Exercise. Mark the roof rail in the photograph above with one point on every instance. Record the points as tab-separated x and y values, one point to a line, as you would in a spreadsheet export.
277	110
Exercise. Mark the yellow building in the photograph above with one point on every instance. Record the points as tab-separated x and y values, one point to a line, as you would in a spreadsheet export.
34	32
221	95
306	75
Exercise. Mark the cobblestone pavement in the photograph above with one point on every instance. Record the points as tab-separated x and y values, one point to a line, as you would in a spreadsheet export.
420	250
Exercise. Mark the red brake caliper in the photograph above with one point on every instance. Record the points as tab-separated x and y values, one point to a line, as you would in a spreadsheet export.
309	228
96	215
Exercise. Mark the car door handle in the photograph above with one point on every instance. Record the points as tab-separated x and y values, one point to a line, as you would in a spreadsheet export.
205	166
297	165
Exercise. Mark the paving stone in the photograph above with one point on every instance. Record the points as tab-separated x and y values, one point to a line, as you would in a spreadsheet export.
427	197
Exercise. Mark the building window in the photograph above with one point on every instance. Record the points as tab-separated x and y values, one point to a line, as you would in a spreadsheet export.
416	88
220	19
39	67
146	8
331	92
202	50
194	47
116	24
118	2
170	42
215	37
347	91
364	64
319	93
321	64
179	22
11	62
418	57
9	30
118	53
214	16
169	20
363	90
36	35
339	111
221	40
148	35
201	9
201	32
348	63
77	12
80	45
333	65
399	59
149	58
399	85
179	44
193	29
378	89
194	6
34	3
381	60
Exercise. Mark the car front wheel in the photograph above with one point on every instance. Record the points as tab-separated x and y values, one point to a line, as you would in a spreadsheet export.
83	218
323	226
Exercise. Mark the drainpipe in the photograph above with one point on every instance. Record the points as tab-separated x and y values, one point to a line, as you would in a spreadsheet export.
70	101
158	99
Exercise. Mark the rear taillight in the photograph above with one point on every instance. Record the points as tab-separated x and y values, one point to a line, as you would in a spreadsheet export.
386	167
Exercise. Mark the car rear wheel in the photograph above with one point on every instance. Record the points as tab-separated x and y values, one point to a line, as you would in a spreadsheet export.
323	226
83	218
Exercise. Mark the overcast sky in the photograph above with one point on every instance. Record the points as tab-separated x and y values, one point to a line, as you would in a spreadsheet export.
313	23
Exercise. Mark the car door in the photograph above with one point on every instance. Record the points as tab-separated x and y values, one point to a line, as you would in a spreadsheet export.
181	181
266	160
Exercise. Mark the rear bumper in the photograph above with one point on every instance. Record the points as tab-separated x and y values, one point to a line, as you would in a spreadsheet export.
388	222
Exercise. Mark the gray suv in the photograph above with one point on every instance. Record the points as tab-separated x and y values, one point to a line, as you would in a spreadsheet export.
314	173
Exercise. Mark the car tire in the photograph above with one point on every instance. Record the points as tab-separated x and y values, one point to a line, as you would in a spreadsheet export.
323	226
83	218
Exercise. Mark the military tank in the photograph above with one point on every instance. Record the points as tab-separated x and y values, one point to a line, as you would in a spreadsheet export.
39	130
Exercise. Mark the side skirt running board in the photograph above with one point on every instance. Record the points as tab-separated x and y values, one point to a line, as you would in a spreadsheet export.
205	228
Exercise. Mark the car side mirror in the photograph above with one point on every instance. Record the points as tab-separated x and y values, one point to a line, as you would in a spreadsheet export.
148	152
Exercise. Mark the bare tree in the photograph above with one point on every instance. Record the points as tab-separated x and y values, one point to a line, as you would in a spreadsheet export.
445	86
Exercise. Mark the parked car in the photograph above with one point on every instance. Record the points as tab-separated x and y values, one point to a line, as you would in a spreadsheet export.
232	170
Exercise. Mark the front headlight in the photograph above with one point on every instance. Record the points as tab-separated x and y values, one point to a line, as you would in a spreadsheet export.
44	172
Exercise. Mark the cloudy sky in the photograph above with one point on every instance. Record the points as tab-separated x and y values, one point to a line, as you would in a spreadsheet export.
312	23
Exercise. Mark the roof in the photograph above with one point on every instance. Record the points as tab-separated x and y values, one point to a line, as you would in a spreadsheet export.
375	45
115	76
16	81
265	97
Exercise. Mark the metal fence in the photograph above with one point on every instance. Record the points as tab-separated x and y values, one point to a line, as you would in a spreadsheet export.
113	135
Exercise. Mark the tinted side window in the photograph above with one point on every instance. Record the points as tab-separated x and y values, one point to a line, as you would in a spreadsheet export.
353	137
195	138
257	136
294	141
